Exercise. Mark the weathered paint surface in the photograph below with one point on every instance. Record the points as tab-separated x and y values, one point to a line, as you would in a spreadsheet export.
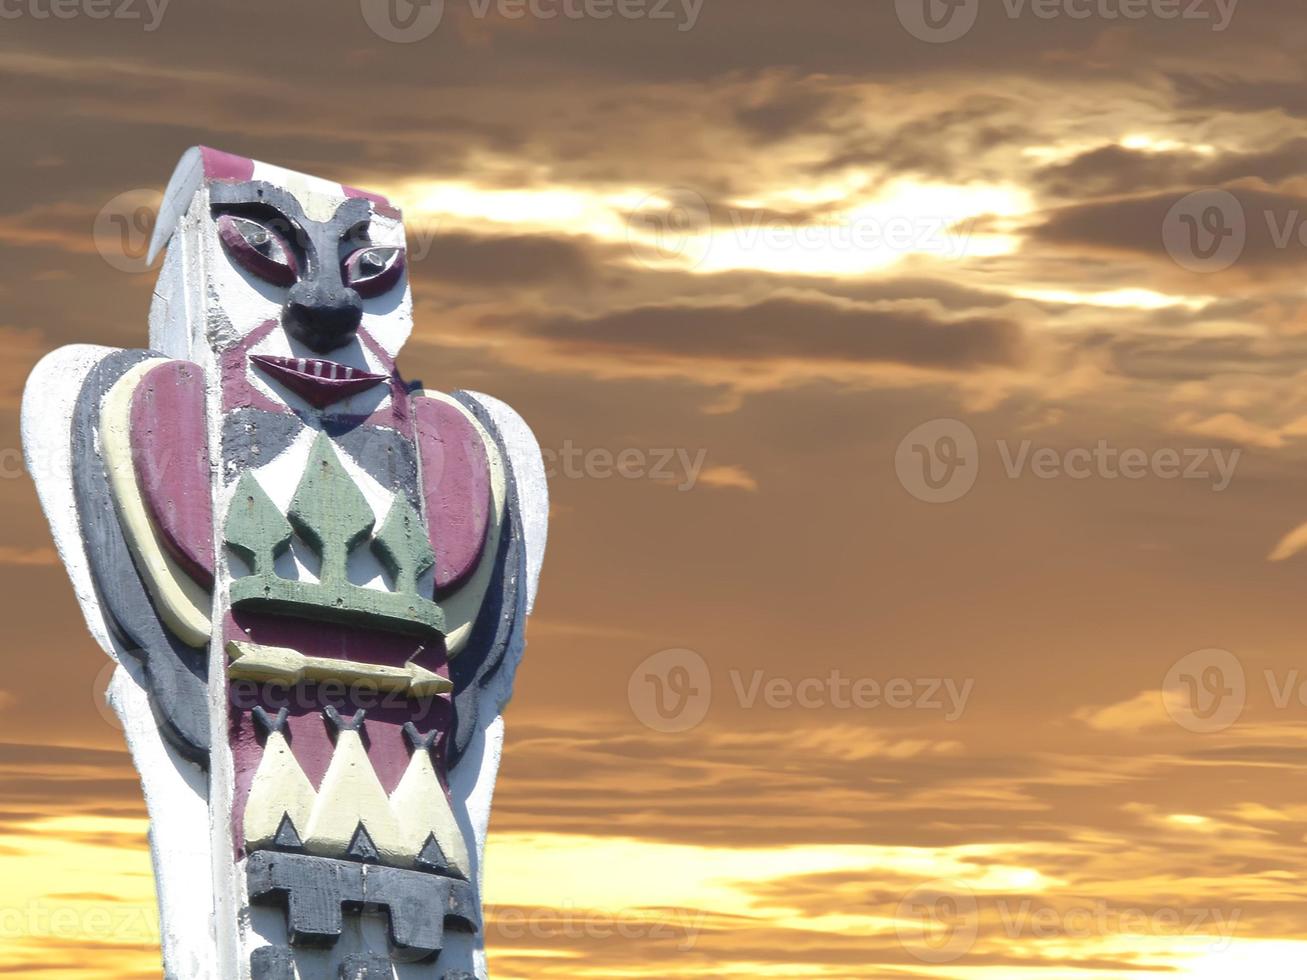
169	432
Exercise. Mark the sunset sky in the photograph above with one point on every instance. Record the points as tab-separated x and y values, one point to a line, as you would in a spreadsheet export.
961	389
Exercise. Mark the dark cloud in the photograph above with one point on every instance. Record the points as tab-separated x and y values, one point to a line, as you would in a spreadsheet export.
481	260
1117	170
793	327
794	110
1271	224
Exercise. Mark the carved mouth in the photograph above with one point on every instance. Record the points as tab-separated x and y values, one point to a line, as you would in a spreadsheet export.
319	382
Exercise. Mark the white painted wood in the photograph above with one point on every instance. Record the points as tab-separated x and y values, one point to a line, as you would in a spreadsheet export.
175	790
472	782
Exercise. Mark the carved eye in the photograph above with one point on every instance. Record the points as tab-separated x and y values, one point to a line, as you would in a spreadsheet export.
372	270
259	249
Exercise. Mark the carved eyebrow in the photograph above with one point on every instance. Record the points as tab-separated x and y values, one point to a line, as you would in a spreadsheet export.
258	194
360	231
351	214
259	210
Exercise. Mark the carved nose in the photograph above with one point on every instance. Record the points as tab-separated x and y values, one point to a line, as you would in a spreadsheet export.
321	316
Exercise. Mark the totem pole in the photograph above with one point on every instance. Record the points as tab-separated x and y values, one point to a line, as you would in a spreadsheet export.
313	576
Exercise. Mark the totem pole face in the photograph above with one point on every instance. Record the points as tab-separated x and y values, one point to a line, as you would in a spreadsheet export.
316	573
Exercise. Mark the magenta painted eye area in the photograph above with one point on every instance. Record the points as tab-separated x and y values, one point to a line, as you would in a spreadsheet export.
258	248
373	270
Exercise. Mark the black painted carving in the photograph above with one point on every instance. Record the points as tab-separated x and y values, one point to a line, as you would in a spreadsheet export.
340	723
432	858
177	673
387	457
321	310
251	437
269	724
503	608
361	847
272	963
358	967
317	893
287	838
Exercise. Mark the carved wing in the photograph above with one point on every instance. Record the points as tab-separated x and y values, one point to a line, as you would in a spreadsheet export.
474	448
137	543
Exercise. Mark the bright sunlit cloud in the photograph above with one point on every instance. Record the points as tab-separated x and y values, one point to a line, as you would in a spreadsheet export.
832	229
1117	299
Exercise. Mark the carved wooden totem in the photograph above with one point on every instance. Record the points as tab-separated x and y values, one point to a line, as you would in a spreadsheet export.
314	577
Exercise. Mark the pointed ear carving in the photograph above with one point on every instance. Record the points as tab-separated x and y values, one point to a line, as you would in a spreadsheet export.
339	723
420	742
268	724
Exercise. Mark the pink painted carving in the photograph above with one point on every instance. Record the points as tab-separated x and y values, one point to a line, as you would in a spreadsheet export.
226	166
456	485
318	382
308	734
170	453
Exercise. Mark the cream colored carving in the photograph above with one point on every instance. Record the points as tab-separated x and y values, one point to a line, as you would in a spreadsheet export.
280	789
351	794
284	666
461	608
182	603
420	806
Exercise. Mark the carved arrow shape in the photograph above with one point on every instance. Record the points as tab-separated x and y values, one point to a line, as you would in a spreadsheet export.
282	665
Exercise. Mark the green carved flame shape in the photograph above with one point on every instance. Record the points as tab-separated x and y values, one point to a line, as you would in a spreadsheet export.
333	518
